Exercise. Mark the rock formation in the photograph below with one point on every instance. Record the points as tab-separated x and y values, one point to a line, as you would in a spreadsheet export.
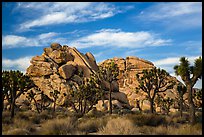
128	68
59	65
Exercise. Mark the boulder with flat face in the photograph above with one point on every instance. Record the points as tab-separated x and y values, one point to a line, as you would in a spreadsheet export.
67	70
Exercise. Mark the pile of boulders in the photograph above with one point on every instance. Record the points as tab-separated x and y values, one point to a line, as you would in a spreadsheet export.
59	65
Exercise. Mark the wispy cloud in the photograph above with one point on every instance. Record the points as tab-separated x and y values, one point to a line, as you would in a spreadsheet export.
168	63
13	41
173	60
50	13
118	38
16	64
183	14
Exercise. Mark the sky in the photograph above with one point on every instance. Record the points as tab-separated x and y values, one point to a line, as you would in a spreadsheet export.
160	32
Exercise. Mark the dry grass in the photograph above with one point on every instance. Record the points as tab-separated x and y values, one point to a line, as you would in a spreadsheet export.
16	131
186	130
118	126
47	123
65	126
90	125
146	119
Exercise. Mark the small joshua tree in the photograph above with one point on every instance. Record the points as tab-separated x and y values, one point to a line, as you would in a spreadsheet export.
31	96
82	97
167	103
14	83
109	73
153	81
55	97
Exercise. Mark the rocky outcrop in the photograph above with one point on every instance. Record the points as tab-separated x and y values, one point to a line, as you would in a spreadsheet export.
128	68
60	65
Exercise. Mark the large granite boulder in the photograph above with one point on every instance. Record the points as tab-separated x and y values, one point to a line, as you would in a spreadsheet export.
127	81
67	70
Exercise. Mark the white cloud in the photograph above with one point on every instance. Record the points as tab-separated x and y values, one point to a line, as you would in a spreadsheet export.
168	64
47	35
13	41
182	14
118	38
173	9
173	60
66	12
16	64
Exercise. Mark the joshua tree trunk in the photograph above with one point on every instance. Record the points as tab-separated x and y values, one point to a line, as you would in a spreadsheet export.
151	105
36	105
191	105
110	101
181	106
12	108
54	105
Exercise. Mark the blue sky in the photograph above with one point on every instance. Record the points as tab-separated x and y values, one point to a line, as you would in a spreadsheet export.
160	32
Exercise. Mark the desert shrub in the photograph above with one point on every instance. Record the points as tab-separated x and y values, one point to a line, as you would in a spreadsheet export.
45	115
199	117
186	130
118	126
147	119
57	126
89	125
22	115
22	124
160	130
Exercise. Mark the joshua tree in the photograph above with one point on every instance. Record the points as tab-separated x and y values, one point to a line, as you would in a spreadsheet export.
181	90
109	73
167	103
31	96
55	96
44	101
190	75
82	97
14	83
154	81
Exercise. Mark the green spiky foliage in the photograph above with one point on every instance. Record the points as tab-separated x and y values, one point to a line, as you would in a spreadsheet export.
181	89
82	97
109	73
54	94
14	83
153	81
190	75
